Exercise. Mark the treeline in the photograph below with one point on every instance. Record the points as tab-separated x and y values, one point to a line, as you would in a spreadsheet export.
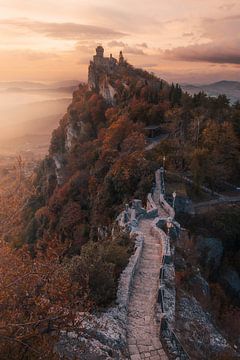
204	140
103	162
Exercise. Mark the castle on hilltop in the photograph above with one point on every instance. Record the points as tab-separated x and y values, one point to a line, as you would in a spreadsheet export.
99	71
109	63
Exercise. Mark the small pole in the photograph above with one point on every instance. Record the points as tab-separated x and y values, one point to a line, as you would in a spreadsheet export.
162	185
164	159
174	194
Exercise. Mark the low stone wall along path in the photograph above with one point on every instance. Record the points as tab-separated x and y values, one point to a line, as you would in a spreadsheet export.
143	331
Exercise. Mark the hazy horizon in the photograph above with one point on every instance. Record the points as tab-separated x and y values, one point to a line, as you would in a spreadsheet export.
190	41
50	83
34	108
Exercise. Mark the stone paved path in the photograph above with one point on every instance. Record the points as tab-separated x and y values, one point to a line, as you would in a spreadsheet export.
143	331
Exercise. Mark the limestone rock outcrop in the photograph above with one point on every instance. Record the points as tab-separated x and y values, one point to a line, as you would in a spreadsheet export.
99	72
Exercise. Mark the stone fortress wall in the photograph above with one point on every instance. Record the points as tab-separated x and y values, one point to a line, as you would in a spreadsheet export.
129	220
107	332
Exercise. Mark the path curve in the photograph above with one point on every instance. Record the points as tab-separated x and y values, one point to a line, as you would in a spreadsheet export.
143	330
206	205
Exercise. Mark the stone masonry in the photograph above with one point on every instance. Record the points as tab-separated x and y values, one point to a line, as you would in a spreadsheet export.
143	331
131	329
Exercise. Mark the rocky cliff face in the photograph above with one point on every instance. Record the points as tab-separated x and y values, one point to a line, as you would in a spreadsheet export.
107	91
208	286
97	160
98	136
100	72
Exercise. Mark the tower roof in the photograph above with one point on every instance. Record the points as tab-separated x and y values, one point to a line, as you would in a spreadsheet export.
121	58
99	50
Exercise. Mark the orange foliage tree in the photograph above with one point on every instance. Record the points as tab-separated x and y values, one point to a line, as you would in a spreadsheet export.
38	298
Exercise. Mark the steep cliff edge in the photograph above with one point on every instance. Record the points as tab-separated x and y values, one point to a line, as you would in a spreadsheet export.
93	154
99	160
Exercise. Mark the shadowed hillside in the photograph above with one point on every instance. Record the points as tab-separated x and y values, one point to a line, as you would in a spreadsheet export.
99	160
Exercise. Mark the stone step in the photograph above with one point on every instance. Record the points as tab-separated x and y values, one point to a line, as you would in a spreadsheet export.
143	330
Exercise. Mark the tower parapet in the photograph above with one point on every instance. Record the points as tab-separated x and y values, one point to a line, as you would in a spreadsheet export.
100	70
105	62
98	59
108	63
121	58
99	51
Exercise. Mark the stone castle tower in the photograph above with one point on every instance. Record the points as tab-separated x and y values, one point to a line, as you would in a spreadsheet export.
102	65
108	64
101	68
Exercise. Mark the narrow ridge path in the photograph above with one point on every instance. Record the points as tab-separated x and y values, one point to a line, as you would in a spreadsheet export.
143	331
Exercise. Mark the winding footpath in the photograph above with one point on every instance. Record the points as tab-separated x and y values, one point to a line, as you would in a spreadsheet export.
143	330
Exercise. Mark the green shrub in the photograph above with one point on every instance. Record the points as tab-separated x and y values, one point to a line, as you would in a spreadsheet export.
101	263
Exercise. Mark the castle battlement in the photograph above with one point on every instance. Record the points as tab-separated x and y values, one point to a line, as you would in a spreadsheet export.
108	63
100	69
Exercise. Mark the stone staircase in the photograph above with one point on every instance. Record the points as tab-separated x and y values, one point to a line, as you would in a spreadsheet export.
143	330
144	286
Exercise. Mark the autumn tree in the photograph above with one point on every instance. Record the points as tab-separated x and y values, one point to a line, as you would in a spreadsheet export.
38	299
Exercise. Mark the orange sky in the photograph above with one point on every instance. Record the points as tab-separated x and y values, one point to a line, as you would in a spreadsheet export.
180	40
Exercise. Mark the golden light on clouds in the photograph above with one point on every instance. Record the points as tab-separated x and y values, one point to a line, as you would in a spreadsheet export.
185	41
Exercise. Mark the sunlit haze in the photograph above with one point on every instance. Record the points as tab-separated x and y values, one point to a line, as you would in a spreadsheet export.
181	40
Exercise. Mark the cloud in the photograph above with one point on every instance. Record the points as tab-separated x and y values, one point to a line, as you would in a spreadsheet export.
151	65
115	43
38	55
143	45
67	30
133	50
217	43
188	34
220	53
128	49
221	28
227	7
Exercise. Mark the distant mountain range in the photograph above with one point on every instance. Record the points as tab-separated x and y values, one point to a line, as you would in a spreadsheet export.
36	119
28	86
37	85
230	88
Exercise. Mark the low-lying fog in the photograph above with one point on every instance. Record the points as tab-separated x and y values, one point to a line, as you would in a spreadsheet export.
29	112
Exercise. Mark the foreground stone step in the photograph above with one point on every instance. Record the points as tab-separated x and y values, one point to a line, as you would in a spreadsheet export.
143	330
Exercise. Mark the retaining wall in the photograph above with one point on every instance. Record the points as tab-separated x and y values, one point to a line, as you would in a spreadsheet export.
129	220
126	278
167	293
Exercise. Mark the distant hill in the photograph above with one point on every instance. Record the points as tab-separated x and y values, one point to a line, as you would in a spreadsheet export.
22	84
230	88
32	118
29	86
62	89
66	83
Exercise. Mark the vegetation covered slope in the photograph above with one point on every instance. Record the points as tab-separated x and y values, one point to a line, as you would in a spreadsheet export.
97	162
97	159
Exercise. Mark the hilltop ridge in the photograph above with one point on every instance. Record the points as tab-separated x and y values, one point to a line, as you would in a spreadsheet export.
99	161
105	73
102	137
101	134
230	88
